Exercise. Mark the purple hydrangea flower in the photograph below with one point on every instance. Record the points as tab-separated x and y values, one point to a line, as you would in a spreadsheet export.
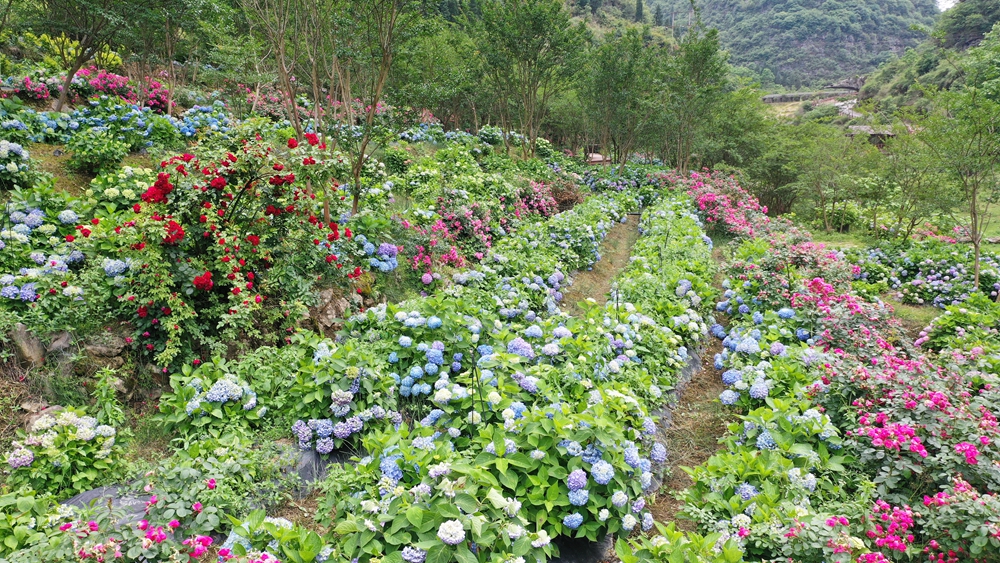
659	453
521	347
577	480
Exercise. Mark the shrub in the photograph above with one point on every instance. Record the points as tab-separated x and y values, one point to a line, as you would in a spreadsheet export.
15	166
23	511
209	399
96	151
240	246
64	454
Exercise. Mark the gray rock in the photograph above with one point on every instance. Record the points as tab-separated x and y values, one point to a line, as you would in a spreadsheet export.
51	411
329	309
61	342
109	347
34	406
27	346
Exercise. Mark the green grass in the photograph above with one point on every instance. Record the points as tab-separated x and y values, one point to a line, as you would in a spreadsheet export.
840	240
914	317
54	159
66	179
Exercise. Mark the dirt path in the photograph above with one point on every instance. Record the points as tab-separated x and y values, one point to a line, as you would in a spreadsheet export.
699	420
596	283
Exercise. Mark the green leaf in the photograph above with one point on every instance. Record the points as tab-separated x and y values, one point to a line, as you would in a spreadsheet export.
624	551
440	553
415	515
466	502
463	555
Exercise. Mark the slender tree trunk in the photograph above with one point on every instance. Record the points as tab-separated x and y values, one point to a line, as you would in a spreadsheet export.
286	83
64	93
974	233
171	75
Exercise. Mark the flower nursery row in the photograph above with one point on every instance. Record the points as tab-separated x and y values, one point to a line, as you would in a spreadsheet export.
850	443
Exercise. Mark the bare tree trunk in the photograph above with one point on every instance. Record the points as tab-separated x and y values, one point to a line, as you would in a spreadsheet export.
64	93
974	233
171	75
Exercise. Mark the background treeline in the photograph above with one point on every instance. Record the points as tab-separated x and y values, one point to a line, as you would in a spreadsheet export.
587	77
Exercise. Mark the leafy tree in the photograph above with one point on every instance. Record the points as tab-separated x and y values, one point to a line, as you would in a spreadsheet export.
658	16
368	36
963	134
639	15
738	128
622	91
828	165
440	72
95	24
774	172
347	49
530	52
694	79
918	190
7	9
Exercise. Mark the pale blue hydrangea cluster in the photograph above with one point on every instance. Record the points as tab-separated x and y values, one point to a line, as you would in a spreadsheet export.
746	491
226	389
115	267
68	217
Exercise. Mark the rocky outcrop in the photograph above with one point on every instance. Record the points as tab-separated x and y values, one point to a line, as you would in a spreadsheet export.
27	346
331	309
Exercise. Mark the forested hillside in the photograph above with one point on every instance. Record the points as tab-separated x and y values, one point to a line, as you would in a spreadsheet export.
804	42
937	61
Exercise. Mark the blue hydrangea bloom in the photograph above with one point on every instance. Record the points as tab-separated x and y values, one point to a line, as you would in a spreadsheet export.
573	521
533	331
579	497
729	397
765	441
632	456
731	376
746	491
603	472
576	480
760	389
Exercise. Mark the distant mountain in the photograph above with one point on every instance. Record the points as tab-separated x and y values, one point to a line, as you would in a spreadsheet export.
803	43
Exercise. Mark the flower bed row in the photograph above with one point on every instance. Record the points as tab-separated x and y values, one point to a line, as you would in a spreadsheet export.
850	444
